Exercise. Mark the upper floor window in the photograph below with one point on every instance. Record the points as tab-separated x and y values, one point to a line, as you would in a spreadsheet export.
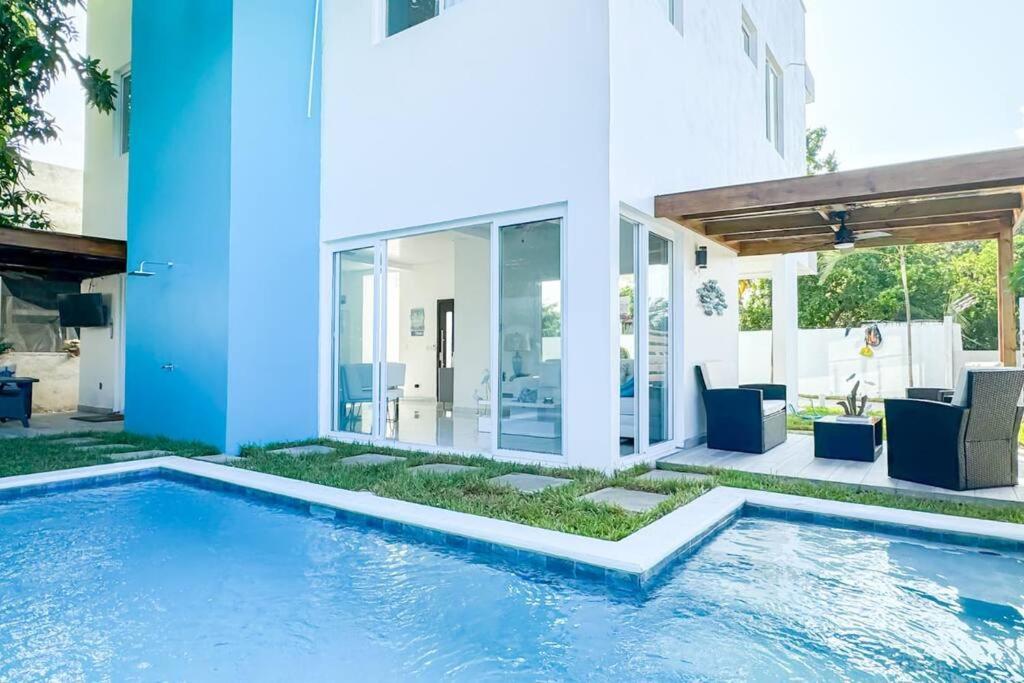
773	101
749	34
403	14
124	106
673	12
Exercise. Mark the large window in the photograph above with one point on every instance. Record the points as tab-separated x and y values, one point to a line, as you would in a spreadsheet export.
530	329
354	340
773	102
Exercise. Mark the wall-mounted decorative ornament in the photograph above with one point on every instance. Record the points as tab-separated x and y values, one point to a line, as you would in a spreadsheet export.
712	298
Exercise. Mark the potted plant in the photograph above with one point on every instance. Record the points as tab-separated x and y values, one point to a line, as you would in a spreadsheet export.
8	368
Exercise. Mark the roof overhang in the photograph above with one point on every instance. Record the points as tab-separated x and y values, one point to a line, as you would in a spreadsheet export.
60	256
968	197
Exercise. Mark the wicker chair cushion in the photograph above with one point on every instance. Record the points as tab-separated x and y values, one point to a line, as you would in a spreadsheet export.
770	407
718	374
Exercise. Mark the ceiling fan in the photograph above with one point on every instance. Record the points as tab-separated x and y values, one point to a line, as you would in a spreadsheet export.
844	237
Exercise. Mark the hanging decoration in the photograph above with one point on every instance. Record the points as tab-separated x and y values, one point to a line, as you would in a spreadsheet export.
712	298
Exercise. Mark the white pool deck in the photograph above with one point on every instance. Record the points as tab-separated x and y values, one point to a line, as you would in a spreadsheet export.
642	553
795	459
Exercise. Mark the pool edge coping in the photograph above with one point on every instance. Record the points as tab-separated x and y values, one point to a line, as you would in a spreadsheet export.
642	554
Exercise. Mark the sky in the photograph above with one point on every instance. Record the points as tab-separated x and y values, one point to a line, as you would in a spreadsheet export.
896	80
899	80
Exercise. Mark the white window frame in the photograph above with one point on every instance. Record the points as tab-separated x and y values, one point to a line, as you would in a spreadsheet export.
673	10
774	110
643	227
119	120
749	33
328	331
382	16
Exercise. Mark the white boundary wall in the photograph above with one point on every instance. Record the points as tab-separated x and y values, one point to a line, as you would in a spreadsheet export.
827	357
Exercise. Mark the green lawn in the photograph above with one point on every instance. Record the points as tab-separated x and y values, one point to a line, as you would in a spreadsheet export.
559	508
555	508
804	423
41	454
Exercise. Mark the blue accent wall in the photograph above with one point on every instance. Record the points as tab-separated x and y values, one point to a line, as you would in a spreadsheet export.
224	182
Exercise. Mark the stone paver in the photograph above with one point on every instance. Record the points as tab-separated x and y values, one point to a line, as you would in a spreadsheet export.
137	455
304	450
634	501
219	459
78	441
105	447
529	483
671	475
442	468
371	459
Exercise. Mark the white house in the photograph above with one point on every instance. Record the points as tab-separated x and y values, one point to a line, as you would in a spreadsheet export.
491	279
489	261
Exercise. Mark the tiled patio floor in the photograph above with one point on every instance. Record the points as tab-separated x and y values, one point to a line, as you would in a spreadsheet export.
55	423
795	458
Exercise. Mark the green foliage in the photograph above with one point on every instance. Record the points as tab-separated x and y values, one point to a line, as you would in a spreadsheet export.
755	299
864	285
35	37
815	162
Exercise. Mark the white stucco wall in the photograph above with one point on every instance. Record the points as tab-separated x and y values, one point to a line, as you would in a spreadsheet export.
57	388
104	210
101	384
63	189
688	112
592	105
105	206
497	105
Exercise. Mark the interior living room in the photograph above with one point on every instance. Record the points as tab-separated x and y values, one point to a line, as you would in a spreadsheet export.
437	330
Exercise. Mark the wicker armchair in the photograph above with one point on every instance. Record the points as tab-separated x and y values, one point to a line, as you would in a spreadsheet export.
970	443
750	418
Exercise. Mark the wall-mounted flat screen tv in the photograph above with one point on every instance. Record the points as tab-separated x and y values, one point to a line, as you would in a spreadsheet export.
83	310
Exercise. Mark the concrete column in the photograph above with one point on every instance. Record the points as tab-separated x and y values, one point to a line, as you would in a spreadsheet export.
785	369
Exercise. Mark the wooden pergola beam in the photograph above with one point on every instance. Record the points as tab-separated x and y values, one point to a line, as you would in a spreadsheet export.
938	222
1005	298
968	172
918	235
943	207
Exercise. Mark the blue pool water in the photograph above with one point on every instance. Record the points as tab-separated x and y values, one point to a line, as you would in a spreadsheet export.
160	580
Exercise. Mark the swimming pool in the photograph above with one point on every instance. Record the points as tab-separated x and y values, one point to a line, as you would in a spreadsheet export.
158	579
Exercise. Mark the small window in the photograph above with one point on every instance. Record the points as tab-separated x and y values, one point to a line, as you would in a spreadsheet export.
773	102
403	14
749	34
673	10
125	107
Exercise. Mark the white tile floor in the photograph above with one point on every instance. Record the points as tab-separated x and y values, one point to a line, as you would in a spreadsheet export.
795	458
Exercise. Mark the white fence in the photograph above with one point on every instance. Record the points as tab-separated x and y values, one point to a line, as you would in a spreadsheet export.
829	356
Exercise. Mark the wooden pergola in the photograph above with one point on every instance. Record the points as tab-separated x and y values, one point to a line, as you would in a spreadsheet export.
60	256
951	199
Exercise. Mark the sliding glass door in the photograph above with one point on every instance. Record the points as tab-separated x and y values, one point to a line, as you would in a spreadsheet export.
659	338
453	338
646	340
530	331
354	315
629	435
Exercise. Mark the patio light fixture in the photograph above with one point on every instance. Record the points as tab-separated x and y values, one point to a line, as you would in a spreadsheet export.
702	258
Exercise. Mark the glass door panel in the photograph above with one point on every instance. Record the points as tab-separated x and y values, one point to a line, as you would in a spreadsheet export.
530	335
353	333
659	338
627	393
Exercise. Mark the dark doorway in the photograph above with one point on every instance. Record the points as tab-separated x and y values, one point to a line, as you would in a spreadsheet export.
445	351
